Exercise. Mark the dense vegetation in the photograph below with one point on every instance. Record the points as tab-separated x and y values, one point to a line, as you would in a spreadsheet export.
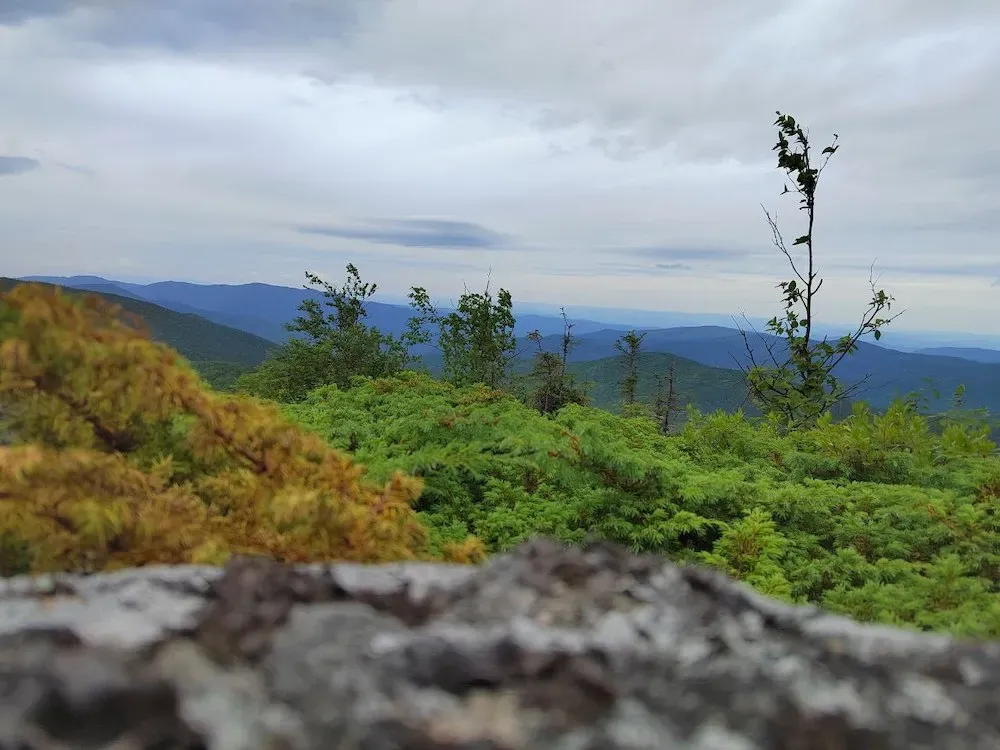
122	455
874	516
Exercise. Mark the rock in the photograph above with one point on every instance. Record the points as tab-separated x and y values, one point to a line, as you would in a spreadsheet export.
548	647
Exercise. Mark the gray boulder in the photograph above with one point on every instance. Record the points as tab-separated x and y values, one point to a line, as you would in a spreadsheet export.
547	647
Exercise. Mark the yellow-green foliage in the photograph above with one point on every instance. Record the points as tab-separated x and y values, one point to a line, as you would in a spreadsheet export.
124	458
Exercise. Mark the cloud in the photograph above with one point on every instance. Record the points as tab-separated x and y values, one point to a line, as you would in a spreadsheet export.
187	25
14	12
605	269
689	253
674	267
622	148
77	169
417	233
17	165
939	270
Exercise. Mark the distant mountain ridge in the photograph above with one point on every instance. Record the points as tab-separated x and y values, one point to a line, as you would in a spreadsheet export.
227	309
971	353
204	299
263	309
889	373
214	349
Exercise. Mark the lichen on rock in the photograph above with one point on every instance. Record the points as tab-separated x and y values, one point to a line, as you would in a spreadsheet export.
546	647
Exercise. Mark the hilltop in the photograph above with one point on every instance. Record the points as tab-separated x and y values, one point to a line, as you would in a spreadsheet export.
219	352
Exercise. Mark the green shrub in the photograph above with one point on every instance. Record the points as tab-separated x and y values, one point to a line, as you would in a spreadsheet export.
874	516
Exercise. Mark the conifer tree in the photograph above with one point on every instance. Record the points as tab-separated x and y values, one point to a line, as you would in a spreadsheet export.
665	403
630	346
555	386
122	457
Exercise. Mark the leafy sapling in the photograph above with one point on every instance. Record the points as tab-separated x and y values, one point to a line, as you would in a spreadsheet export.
800	386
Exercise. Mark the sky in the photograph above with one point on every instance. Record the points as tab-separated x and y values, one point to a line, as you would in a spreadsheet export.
576	152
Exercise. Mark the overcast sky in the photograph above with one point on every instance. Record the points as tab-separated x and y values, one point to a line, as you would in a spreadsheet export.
588	151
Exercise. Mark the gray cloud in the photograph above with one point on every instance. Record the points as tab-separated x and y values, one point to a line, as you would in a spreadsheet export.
11	165
620	148
14	12
923	268
608	268
648	84
670	255
647	81
417	233
208	25
77	169
674	266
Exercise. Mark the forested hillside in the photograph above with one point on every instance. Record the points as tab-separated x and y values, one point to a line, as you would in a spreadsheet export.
220	353
885	374
706	388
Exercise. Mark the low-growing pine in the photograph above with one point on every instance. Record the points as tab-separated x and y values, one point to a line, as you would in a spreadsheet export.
123	457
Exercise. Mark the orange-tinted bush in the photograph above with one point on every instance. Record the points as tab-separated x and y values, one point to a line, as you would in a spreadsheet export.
124	457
